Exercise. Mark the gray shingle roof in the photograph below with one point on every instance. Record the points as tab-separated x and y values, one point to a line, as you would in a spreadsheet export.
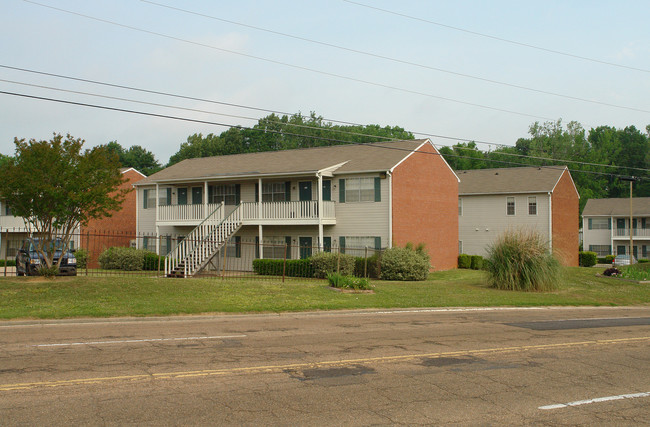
379	156
617	207
509	180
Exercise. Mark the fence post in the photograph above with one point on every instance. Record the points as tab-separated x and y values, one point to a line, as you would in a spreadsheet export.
225	250
88	252
365	264
7	250
284	264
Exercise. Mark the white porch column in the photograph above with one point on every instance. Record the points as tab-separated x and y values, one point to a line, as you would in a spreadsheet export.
205	199
320	212
390	209
261	237
157	219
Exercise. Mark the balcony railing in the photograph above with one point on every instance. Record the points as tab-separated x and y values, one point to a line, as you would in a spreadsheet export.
636	232
270	211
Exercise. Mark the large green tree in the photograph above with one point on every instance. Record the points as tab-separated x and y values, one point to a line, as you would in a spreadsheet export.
56	187
135	157
273	132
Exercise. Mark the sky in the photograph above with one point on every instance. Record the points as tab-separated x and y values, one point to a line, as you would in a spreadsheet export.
450	70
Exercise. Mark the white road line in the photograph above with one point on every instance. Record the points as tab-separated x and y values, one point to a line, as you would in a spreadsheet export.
596	400
137	341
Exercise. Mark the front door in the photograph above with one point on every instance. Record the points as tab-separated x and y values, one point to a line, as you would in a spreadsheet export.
182	196
197	195
620	224
305	190
305	247
327	190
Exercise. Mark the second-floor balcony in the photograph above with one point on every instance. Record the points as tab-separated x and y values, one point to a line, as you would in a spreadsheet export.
252	213
636	232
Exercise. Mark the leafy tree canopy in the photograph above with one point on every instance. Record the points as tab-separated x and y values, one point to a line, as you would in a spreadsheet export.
135	157
55	187
273	133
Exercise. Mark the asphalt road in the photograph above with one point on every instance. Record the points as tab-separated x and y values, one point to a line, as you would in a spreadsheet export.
541	366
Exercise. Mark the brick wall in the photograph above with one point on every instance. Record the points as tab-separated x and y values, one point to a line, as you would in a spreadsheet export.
425	206
116	230
565	221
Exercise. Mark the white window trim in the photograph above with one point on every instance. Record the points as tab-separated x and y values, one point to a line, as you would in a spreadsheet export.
514	205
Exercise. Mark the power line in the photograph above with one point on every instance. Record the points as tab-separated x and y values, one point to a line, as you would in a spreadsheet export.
544	49
400	61
298	67
165	116
322	129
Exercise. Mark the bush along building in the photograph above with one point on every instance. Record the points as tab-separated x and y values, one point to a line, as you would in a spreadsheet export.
333	198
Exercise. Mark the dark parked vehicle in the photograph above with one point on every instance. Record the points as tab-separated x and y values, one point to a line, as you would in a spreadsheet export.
28	260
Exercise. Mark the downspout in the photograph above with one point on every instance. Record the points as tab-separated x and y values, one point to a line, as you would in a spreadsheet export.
205	199
137	216
157	219
259	216
320	211
550	221
390	209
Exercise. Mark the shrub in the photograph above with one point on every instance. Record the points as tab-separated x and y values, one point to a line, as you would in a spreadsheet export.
520	260
588	259
609	259
120	258
274	267
464	261
324	263
81	255
348	282
404	264
476	262
367	266
644	261
152	261
10	263
49	272
613	271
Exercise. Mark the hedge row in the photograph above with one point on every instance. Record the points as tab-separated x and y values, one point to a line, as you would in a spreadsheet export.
10	263
128	259
474	262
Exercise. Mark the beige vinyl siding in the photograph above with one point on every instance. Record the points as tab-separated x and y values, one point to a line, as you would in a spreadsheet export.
361	218
597	236
484	218
146	217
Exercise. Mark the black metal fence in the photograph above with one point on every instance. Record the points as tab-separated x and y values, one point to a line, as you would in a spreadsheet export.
116	253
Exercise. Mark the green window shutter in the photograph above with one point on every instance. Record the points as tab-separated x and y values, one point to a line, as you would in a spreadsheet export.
237	194
145	196
590	224
287	192
609	223
342	244
377	189
169	196
210	193
610	249
169	244
378	243
257	247
341	191
257	193
145	243
287	240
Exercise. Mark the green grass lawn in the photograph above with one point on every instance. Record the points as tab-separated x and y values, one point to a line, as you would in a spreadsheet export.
63	297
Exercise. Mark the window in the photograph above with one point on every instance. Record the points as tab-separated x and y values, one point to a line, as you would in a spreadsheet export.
601	250
356	245
274	192
274	247
12	247
233	247
223	193
510	205
460	207
164	197
532	205
360	189
460	246
165	245
5	209
148	244
149	199
600	224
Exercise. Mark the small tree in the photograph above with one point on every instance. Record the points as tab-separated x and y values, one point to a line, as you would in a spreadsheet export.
56	188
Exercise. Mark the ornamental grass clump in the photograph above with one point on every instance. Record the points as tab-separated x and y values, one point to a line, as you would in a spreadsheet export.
520	260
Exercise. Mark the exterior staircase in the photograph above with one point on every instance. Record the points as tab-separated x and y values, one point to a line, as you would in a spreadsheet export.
194	252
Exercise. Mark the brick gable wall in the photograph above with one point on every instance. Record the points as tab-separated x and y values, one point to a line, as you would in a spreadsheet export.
565	221
425	206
